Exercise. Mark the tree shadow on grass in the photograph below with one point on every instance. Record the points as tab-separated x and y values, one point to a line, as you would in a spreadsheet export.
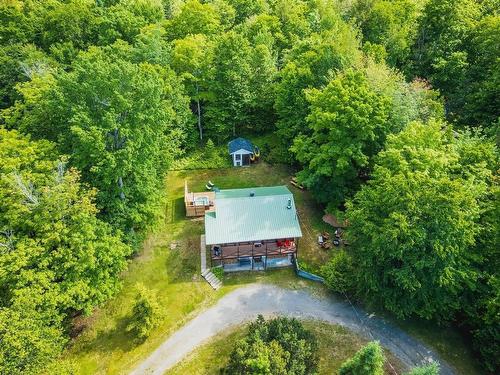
114	339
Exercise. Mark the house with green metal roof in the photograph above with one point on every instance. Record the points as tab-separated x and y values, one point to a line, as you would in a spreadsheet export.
253	228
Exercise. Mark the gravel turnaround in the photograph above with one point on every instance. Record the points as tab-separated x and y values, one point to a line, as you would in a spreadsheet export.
246	303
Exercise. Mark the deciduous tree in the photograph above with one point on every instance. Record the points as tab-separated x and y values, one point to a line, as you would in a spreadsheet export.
348	123
367	361
413	225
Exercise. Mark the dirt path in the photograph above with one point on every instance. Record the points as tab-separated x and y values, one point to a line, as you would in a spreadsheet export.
246	303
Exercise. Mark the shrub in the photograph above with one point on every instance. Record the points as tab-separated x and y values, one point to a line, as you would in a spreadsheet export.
338	272
367	361
207	157
145	313
430	369
218	272
277	346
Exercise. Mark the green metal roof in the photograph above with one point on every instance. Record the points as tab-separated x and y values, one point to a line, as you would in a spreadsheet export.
240	217
257	191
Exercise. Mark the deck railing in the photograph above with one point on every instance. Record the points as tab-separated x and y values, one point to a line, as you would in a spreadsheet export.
250	250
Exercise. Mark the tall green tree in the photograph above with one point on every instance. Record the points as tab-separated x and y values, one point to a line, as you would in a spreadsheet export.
480	91
392	24
310	64
457	51
145	313
49	231
30	340
56	257
413	225
191	59
193	18
18	63
230	86
241	87
348	123
121	122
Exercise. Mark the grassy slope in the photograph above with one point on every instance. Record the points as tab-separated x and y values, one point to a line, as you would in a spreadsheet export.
105	348
336	344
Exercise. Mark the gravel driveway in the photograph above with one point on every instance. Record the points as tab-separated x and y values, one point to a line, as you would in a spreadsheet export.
246	303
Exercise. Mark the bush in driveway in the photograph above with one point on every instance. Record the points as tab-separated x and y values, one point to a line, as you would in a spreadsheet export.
145	313
277	346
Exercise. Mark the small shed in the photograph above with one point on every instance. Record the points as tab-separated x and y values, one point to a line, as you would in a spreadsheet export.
241	151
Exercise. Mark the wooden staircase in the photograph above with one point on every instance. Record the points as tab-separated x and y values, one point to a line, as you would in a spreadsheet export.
205	271
211	279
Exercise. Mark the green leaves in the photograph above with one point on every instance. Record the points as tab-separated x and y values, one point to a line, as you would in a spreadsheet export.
348	121
367	361
413	224
276	346
56	257
122	123
145	313
241	87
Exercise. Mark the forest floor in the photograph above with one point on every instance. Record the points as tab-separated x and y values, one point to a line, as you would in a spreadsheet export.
104	346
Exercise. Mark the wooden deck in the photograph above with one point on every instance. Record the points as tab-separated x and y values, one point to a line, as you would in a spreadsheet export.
249	250
198	203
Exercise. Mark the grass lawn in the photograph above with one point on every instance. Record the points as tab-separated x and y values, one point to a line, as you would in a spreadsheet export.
104	347
336	344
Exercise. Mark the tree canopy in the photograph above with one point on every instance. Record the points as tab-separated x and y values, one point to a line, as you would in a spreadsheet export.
276	346
386	111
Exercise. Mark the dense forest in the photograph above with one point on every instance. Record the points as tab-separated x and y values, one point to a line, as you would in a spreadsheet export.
388	111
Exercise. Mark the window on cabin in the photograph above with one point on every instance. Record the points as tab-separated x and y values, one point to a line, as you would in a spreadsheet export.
237	157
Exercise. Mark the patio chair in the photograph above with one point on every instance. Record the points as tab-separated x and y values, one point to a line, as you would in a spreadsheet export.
321	240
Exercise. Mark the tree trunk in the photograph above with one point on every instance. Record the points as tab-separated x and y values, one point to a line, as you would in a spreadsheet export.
198	107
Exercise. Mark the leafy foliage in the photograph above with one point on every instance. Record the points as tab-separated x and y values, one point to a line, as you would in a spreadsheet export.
145	314
414	223
393	25
367	361
458	53
276	346
349	123
122	123
129	89
208	157
56	257
431	369
338	272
